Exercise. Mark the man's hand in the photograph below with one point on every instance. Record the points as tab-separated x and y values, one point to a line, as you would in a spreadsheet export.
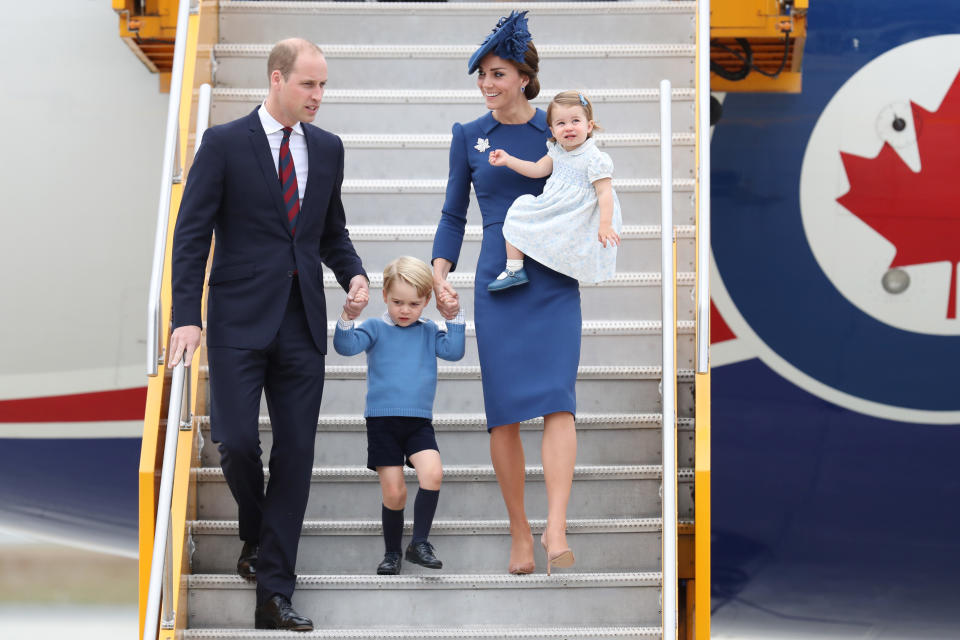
184	342
357	297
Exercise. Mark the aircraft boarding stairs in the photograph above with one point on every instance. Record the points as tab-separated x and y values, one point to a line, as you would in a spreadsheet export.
397	83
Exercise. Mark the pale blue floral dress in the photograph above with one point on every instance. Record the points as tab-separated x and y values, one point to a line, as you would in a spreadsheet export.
559	227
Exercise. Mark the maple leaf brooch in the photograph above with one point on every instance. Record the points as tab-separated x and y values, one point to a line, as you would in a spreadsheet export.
482	145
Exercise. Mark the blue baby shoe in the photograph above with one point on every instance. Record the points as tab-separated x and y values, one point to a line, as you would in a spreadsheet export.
512	279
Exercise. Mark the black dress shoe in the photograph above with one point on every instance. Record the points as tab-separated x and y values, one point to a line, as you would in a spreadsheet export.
247	562
278	613
390	565
422	553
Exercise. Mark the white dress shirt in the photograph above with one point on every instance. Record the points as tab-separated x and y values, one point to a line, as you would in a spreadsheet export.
298	147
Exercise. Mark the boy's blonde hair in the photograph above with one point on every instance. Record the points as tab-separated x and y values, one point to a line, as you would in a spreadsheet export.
414	272
572	99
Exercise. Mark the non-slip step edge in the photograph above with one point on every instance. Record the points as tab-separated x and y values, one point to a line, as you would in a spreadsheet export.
441	581
466	279
444	527
472	473
462	52
474	232
442	140
414	8
486	632
478	421
472	372
451	96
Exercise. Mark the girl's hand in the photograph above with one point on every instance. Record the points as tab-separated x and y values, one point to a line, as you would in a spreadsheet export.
499	157
607	234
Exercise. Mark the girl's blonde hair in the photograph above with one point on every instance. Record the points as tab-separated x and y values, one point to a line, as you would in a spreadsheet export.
414	272
572	99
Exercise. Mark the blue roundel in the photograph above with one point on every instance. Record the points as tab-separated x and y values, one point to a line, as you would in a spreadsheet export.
761	250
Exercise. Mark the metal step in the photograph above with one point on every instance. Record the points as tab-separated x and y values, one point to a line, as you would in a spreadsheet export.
628	295
638	342
615	389
469	493
389	66
463	439
639	249
371	111
452	599
426	156
457	632
397	206
465	546
402	201
455	22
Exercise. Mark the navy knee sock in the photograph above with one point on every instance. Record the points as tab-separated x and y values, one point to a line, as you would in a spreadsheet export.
392	528
424	508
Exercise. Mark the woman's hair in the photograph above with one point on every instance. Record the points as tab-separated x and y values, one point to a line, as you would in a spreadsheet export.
530	68
572	99
414	272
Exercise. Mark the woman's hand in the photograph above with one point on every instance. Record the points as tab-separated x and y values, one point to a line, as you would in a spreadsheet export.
607	234
448	300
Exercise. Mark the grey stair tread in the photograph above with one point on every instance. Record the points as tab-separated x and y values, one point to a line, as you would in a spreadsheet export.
344	600
472	372
392	66
476	421
466	279
449	527
463	439
474	232
470	492
378	111
472	473
465	546
455	22
459	632
441	581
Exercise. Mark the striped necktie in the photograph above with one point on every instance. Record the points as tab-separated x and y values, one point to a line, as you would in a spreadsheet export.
288	181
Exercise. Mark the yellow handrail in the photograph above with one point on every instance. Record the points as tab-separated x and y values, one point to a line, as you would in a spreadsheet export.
201	31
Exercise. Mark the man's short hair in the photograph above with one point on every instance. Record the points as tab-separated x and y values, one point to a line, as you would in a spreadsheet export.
284	55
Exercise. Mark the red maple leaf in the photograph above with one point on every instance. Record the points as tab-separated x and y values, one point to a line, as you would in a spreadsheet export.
919	212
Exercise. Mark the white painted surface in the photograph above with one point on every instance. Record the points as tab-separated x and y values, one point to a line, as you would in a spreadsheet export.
79	176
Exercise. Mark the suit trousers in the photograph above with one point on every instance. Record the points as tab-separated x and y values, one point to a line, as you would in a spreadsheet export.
290	373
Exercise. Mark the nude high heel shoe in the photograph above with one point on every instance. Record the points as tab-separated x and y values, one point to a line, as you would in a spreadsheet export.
560	558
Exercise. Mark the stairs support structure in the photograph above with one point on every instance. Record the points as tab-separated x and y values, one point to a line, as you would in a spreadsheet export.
640	445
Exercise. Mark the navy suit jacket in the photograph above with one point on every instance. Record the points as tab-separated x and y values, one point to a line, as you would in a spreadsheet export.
233	192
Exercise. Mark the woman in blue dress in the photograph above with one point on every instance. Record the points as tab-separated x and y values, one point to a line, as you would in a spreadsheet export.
528	337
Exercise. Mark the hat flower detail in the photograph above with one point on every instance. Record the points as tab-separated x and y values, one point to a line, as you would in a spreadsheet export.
482	145
509	40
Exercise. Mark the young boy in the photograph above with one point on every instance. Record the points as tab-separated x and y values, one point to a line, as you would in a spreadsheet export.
402	351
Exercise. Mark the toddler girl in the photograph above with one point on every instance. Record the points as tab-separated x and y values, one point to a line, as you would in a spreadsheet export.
573	226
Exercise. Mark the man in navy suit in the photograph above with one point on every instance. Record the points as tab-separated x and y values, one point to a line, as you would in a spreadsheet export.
266	318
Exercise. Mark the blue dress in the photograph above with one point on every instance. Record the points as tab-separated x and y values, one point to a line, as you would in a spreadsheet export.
528	337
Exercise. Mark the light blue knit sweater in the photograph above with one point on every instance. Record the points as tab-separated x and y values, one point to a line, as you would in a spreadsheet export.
401	361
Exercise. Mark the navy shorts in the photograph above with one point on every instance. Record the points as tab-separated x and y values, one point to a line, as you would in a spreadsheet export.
391	440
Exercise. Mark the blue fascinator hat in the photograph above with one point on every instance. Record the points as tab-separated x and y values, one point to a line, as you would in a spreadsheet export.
509	40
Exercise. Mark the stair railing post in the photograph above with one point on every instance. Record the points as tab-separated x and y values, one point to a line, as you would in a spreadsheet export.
162	548
703	191
669	382
170	166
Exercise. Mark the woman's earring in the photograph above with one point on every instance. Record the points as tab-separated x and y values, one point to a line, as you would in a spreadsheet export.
523	88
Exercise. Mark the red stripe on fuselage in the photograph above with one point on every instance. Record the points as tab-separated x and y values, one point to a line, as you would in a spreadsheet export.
97	406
